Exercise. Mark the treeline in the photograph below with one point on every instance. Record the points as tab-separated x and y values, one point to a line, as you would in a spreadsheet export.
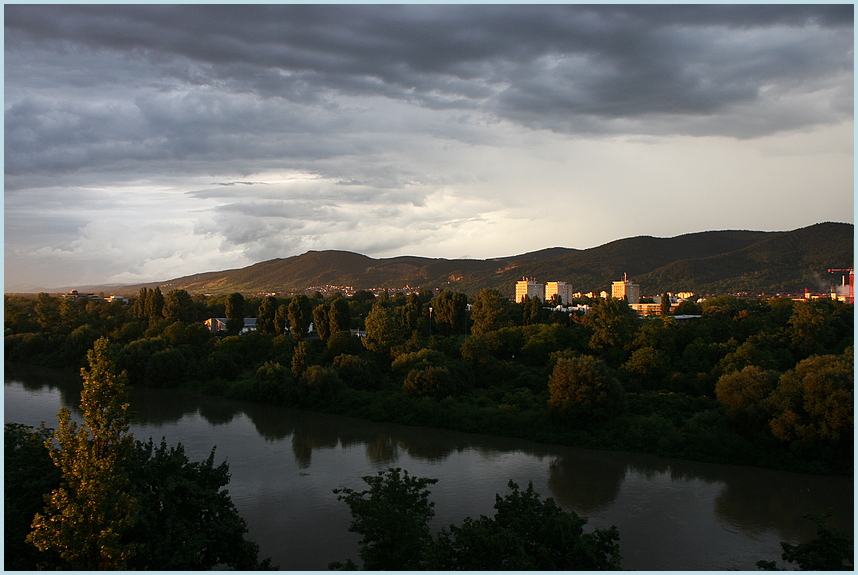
761	382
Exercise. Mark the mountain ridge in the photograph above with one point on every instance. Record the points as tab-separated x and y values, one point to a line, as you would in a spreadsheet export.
719	261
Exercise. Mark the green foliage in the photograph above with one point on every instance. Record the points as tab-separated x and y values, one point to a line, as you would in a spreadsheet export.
111	502
178	306
28	473
86	519
265	316
434	381
744	392
300	315
339	315
392	517
385	330
357	372
582	388
526	534
831	550
318	384
813	404
449	313
320	321
342	342
614	324
186	520
491	311
647	368
165	368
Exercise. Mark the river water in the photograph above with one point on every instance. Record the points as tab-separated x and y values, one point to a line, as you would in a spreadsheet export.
284	464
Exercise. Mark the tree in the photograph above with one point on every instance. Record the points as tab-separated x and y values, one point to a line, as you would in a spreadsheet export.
154	304
300	313
450	312
491	311
583	388
392	516
120	503
526	534
28	473
744	394
384	329
320	321
186	521
532	310
614	324
813	404
339	315
648	367
265	316
664	308
86	519
179	306
281	319
234	313
831	550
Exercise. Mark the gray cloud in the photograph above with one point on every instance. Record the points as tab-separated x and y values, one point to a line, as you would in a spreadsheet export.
253	131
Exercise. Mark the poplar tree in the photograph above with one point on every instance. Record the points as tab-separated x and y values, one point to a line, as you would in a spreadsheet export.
84	520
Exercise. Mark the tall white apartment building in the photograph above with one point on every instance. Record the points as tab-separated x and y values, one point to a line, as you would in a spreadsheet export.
626	289
527	287
562	289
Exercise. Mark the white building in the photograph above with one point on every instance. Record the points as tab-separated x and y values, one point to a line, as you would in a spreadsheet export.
562	289
527	287
626	289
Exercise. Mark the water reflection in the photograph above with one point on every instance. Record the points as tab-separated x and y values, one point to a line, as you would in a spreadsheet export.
639	493
587	482
770	500
382	449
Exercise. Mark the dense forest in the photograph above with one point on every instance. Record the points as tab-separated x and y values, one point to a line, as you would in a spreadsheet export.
764	382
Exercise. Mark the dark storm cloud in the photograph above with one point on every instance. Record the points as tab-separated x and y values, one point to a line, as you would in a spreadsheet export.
518	61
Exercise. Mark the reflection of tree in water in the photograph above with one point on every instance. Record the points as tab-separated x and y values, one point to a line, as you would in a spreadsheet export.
217	410
382	449
305	441
159	406
651	467
759	500
586	481
271	422
34	378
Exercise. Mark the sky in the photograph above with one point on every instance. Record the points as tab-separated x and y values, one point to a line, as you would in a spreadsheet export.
145	143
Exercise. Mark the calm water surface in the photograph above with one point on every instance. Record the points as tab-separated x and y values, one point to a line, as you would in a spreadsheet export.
671	514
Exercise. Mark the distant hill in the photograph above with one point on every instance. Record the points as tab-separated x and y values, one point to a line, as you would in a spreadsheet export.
706	262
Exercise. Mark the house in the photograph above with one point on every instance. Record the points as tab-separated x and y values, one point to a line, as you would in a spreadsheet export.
218	324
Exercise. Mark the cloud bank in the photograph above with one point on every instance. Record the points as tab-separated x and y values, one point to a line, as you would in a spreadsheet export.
147	142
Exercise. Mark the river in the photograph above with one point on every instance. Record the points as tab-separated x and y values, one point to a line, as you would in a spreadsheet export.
284	464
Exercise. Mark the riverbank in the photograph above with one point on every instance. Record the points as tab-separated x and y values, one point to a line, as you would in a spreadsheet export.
665	424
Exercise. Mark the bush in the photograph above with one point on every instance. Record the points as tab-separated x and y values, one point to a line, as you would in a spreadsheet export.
584	389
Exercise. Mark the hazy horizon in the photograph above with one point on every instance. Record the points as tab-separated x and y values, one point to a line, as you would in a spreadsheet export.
145	143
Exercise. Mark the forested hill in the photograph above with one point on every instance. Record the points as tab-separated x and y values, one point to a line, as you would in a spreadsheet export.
705	262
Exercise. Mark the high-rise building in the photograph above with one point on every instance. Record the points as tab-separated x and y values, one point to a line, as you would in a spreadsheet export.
562	289
527	287
626	289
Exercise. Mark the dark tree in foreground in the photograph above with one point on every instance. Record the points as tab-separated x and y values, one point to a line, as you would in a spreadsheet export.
28	473
98	499
392	515
186	521
831	550
526	534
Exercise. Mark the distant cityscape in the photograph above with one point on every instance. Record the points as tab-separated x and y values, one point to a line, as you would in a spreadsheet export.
559	294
